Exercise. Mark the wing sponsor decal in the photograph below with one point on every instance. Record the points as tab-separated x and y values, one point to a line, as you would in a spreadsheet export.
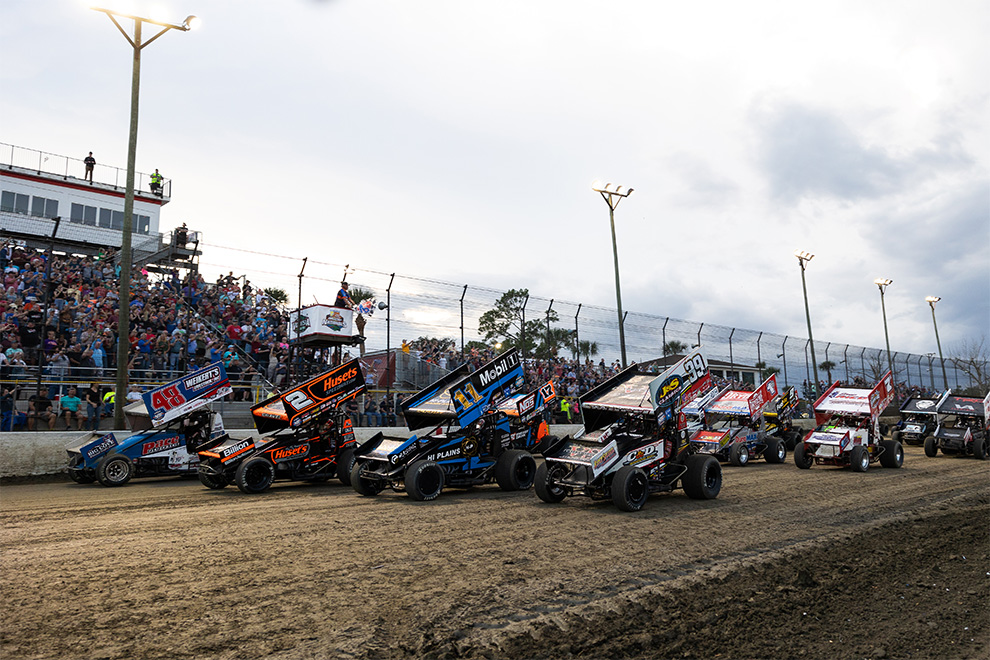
161	444
282	454
186	394
603	459
232	450
643	455
100	446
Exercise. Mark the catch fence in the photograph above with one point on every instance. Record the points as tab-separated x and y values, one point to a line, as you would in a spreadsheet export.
432	308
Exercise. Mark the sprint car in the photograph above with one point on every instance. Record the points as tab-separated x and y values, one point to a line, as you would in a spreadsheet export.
848	429
918	420
472	428
735	429
631	445
170	425
780	419
962	427
305	436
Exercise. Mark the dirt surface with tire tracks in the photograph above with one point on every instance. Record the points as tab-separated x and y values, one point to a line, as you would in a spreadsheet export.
823	563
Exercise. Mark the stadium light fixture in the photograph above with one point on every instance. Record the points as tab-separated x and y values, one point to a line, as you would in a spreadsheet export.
803	258
883	283
613	194
931	300
124	290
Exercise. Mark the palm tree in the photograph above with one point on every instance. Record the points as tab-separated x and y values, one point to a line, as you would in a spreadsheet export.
827	366
588	349
674	347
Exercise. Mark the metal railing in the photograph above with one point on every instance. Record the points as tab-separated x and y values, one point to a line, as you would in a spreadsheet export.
69	168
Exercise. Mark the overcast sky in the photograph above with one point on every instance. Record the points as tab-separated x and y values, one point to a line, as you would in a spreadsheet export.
457	140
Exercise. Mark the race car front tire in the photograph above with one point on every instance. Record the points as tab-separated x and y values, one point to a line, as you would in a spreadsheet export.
544	484
893	454
515	469
630	488
81	477
802	458
424	481
345	464
980	448
703	478
739	454
363	485
213	481
859	459
776	451
255	475
114	470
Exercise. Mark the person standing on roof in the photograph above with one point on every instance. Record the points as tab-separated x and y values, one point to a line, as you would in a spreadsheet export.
156	183
90	164
343	297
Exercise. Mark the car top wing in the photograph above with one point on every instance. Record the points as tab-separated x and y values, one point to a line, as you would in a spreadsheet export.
632	392
920	406
684	382
962	405
463	395
305	402
855	401
184	395
752	403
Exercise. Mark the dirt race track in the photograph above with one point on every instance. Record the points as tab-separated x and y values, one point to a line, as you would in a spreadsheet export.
824	563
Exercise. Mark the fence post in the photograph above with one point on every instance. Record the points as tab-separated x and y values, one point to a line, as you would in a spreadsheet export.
577	337
549	308
732	364
463	293
522	328
783	354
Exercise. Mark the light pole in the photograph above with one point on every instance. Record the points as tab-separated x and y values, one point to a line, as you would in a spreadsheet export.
931	300
613	194
124	289
883	283
803	258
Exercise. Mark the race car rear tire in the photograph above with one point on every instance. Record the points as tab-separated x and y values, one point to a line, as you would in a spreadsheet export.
739	454
114	470
544	484
80	478
214	481
776	451
630	488
345	463
363	485
893	454
424	481
791	439
802	458
895	435
859	459
980	448
703	478
931	447
515	469
255	475
544	444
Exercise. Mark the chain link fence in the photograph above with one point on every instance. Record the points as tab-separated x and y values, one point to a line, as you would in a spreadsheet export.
423	307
